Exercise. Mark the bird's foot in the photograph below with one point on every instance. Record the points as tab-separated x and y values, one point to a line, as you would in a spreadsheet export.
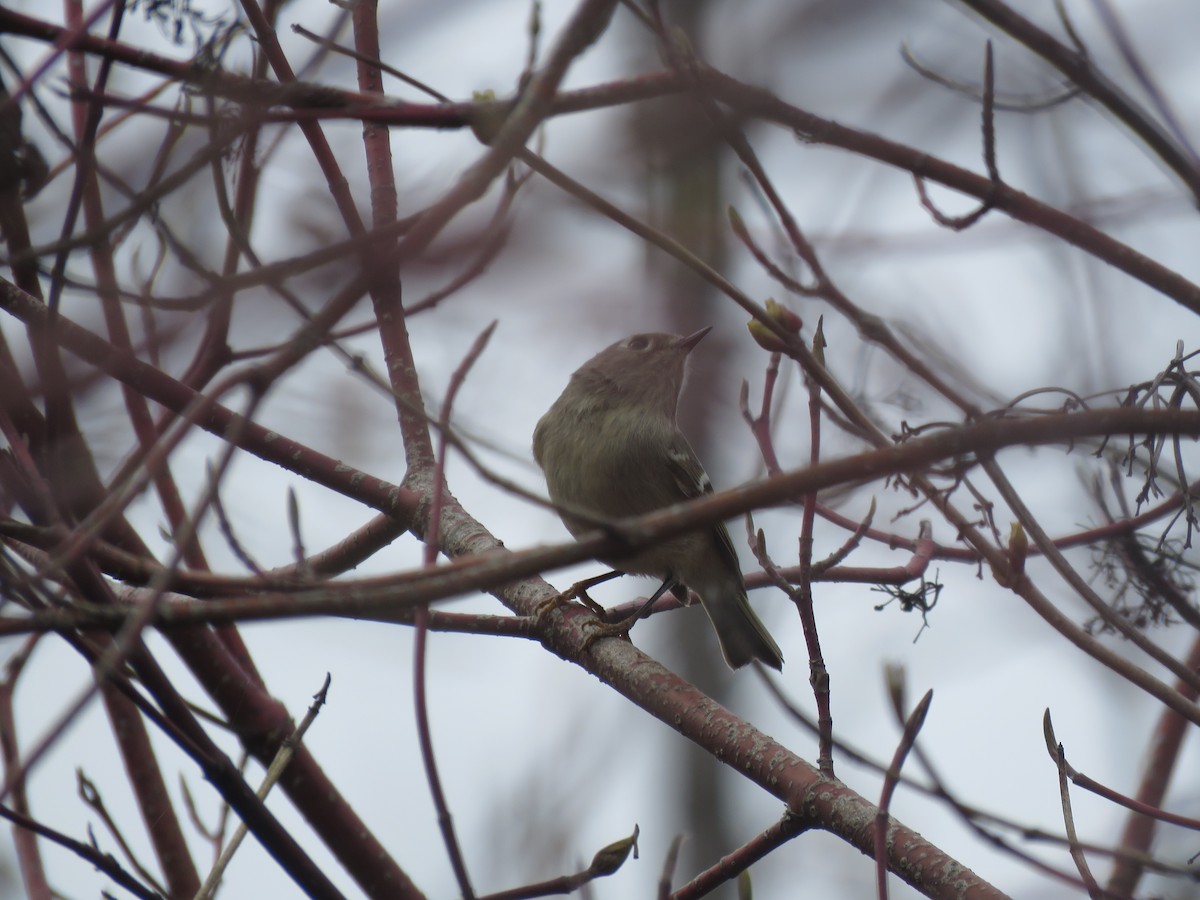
600	630
577	591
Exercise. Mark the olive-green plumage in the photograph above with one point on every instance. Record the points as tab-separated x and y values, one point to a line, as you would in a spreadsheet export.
610	445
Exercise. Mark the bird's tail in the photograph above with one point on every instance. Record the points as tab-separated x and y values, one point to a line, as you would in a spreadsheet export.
742	635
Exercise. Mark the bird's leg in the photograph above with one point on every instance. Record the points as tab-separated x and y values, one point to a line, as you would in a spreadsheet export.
621	629
578	591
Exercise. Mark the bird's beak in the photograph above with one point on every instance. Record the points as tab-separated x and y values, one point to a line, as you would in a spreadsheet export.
688	343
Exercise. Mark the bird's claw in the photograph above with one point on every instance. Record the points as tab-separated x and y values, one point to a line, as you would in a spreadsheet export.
577	591
600	630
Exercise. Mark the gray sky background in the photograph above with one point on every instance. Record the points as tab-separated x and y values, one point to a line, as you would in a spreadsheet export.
542	764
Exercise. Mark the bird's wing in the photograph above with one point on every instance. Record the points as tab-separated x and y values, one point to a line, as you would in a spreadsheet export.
693	482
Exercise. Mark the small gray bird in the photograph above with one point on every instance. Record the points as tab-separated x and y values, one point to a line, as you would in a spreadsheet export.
610	445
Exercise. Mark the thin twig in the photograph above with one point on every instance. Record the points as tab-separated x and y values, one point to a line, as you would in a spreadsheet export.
274	772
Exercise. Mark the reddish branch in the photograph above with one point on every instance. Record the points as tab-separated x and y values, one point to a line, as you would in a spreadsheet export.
29	857
1165	743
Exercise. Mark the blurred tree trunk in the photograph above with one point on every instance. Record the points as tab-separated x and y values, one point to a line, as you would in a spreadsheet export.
682	154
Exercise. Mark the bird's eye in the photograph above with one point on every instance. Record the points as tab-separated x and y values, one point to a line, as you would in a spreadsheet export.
638	342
